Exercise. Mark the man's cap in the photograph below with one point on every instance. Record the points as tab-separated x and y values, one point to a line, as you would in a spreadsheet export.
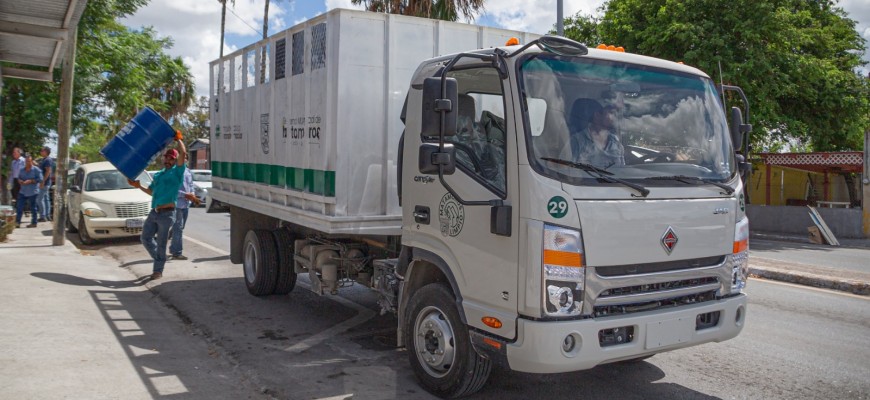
171	153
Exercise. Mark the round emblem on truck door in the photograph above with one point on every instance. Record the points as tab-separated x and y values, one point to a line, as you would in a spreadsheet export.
451	215
669	240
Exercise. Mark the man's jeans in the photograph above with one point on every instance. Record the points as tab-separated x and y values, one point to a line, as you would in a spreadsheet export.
22	200
177	230
155	233
44	202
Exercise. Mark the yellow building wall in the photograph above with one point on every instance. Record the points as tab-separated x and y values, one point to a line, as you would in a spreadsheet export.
793	184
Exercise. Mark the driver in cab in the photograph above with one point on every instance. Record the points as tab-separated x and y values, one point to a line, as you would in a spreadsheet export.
596	143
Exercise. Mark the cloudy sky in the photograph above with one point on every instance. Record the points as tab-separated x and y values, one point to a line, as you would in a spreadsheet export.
194	25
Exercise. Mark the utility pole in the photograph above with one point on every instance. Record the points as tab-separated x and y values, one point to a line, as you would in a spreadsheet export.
865	183
559	24
63	133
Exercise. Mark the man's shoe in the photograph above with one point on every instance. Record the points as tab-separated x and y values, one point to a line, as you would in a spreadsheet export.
179	257
31	226
41	219
157	275
17	225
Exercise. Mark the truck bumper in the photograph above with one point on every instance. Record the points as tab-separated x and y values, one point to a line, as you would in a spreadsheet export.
539	345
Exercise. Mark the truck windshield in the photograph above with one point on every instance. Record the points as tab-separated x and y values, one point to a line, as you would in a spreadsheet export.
636	122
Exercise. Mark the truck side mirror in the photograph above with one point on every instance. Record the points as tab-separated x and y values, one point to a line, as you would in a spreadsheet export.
737	128
431	157
434	104
75	188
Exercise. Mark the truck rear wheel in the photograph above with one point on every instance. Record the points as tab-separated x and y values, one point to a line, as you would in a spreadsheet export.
260	262
286	273
439	349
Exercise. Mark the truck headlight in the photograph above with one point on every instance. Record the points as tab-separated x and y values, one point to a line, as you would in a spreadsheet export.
739	257
564	277
94	212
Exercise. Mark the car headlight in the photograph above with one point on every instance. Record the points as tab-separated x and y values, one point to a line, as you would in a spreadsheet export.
564	277
94	212
739	257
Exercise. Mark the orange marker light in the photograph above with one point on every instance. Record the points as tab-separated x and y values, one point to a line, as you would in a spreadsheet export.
620	49
601	46
512	42
741	246
492	343
563	258
491	322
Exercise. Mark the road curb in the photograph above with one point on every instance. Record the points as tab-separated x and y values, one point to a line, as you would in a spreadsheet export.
820	281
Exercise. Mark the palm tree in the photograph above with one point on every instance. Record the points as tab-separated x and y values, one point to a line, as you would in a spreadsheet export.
447	10
223	21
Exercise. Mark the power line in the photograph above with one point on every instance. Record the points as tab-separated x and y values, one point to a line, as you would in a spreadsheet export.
259	33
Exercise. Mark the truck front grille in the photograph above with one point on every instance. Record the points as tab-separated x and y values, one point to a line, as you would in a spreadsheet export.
132	210
650	268
652	296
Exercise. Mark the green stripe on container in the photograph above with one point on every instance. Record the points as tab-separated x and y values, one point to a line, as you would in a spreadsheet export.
263	171
238	171
277	176
296	178
250	172
320	182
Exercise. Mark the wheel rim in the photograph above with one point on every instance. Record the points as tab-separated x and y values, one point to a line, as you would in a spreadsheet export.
250	262
434	341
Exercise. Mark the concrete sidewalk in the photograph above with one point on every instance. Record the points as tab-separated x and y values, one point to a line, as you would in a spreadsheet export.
857	282
76	325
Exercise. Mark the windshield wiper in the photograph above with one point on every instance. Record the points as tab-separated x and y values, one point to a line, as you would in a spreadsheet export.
599	173
694	180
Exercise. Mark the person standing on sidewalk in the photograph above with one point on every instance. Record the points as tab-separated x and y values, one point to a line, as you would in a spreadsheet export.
47	166
29	179
182	206
163	191
14	170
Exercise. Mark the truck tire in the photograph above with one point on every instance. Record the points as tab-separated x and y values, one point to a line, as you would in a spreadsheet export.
260	262
286	273
439	348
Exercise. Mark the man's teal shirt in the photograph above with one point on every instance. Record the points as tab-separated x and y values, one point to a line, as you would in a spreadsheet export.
164	188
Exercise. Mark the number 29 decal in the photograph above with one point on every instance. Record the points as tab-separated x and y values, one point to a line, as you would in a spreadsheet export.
557	207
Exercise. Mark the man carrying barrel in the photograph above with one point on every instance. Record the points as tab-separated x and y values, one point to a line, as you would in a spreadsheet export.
163	191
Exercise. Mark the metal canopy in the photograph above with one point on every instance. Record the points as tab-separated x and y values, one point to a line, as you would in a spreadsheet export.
821	162
34	33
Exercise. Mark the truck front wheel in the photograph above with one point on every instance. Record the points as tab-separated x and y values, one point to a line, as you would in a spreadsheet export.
260	262
439	349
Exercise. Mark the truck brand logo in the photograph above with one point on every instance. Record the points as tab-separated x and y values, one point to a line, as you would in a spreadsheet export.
424	179
451	216
264	133
721	210
669	240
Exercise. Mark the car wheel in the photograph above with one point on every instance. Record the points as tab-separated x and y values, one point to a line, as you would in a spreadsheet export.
68	223
286	273
260	262
83	232
439	348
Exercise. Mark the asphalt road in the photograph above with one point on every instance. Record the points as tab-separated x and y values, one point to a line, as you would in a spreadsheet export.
849	259
798	342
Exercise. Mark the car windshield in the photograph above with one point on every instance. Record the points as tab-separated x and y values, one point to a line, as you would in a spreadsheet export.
111	180
202	176
636	122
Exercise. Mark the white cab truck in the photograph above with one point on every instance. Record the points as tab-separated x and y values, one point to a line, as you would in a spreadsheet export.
541	205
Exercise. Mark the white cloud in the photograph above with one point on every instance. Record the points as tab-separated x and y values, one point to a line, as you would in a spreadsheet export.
194	26
538	16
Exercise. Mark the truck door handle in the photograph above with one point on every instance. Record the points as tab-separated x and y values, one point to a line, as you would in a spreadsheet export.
421	215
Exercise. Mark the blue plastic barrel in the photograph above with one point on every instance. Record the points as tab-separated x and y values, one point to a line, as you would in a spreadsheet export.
138	143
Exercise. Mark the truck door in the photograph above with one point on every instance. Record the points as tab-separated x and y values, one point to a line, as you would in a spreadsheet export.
484	264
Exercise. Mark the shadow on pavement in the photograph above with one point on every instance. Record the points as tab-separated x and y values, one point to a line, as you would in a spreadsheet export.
78	281
200	260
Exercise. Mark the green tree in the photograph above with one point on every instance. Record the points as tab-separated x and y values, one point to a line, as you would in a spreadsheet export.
447	10
796	60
